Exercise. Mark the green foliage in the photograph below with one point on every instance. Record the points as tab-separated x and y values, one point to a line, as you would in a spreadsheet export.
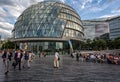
117	43
8	45
118	38
101	44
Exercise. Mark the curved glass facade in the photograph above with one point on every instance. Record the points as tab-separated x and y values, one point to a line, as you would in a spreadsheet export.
48	20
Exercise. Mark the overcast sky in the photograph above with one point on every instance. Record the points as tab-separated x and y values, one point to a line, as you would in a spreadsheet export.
87	9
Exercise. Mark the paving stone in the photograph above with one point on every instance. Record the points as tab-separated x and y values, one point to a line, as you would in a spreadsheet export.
70	71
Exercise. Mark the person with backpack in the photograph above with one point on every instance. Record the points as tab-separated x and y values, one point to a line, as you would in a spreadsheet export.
26	59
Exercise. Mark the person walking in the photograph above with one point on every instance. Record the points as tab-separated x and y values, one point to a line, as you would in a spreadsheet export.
18	57
26	60
77	56
31	56
39	53
56	59
6	60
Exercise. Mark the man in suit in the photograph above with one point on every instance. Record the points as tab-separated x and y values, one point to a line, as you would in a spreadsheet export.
18	57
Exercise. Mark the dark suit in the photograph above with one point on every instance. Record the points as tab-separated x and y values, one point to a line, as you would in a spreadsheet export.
18	60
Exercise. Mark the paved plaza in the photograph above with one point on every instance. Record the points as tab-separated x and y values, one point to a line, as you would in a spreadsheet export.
70	71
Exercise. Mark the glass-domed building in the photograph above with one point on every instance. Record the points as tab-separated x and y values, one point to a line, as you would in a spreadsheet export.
48	25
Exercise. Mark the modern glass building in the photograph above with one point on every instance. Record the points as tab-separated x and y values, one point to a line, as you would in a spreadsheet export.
95	28
48	25
114	26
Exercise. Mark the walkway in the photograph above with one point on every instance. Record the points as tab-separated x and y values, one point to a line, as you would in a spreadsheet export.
70	71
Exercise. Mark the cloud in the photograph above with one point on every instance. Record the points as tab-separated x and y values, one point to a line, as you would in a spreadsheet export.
5	30
6	25
5	34
85	2
9	12
6	2
113	13
110	1
16	8
62	1
99	1
116	10
3	13
15	11
108	15
98	7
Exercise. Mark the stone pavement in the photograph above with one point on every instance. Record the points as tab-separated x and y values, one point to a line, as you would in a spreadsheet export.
70	71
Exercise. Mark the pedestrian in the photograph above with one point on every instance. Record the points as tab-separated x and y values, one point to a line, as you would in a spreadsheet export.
72	54
17	58
39	53
31	56
6	60
56	59
26	60
77	56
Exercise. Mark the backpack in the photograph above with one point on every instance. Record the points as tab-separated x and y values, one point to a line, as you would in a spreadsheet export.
4	55
26	57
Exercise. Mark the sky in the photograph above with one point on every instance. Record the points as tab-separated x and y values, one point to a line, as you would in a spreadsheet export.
87	9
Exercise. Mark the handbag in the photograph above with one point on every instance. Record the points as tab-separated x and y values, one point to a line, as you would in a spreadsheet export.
14	63
58	58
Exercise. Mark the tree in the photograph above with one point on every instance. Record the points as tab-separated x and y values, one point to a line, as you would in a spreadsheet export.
83	46
8	45
117	43
101	44
98	44
94	43
109	44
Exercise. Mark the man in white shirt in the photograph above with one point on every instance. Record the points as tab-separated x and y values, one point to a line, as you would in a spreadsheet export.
56	60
